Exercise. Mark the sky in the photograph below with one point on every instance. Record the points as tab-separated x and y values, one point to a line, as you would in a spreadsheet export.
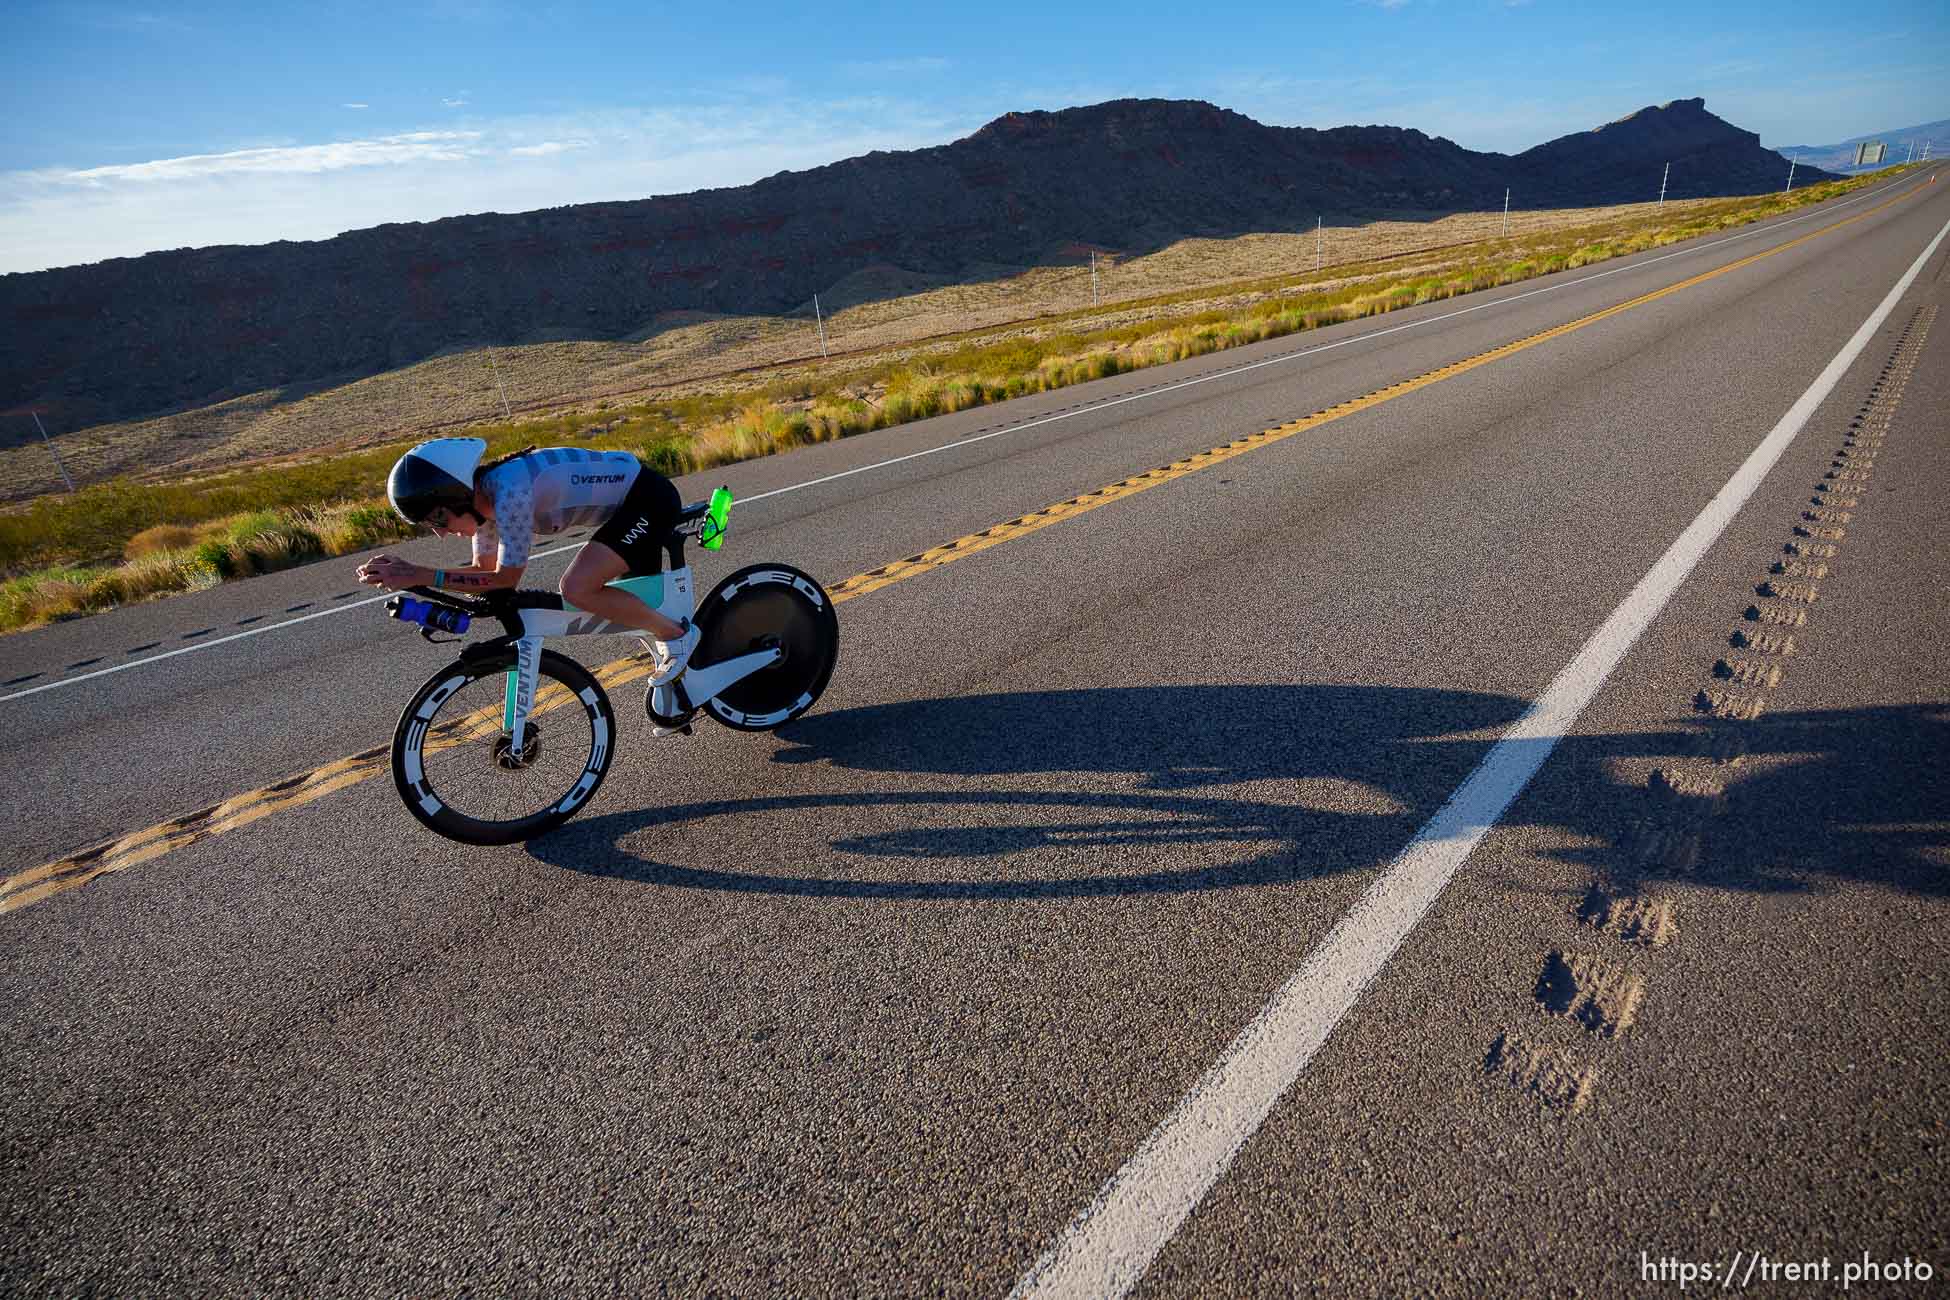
131	127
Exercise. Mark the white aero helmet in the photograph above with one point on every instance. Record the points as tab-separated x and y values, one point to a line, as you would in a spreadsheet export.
433	475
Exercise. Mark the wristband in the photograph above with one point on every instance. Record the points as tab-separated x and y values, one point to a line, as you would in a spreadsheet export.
439	577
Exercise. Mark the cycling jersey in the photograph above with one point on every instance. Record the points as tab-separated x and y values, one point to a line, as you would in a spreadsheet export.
547	491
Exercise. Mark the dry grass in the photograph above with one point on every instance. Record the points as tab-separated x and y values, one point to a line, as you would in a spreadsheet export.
238	547
157	540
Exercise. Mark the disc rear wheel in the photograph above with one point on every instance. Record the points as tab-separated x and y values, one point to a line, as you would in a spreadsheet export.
766	607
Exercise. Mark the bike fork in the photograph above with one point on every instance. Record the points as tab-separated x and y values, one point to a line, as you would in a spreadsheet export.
519	697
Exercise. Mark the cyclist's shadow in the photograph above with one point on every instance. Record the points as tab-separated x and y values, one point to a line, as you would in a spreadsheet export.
1302	780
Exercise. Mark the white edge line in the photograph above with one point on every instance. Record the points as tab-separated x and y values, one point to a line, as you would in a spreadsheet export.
1020	428
1112	1241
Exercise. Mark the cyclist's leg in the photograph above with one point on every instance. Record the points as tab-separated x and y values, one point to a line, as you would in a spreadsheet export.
586	586
629	543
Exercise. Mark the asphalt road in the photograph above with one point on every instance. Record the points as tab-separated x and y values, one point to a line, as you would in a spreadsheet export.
880	1003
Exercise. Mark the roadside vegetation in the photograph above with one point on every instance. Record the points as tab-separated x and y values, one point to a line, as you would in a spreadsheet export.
122	541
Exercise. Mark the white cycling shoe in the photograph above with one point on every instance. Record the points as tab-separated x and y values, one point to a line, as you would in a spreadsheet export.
672	656
665	719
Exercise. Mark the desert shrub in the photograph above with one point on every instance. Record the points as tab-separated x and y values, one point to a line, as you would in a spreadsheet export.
215	555
157	539
271	549
669	457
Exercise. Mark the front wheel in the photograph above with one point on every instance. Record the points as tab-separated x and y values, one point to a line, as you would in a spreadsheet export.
762	607
453	759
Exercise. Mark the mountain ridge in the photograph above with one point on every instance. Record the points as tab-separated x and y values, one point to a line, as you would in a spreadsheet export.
1841	153
177	329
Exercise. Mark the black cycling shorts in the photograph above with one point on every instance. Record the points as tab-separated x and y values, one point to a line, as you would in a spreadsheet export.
642	522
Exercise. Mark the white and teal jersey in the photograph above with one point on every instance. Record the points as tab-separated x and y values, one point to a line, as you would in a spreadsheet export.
547	491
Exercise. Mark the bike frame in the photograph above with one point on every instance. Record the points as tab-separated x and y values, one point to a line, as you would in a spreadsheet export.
670	594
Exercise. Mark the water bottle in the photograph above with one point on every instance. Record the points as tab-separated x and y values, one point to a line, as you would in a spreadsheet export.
411	609
715	517
447	620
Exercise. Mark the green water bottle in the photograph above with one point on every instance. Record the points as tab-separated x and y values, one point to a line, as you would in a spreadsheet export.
712	534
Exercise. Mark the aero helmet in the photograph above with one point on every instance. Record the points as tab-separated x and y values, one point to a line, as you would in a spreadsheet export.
435	474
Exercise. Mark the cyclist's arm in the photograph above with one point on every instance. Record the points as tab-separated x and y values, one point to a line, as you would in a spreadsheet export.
478	577
500	544
500	555
395	574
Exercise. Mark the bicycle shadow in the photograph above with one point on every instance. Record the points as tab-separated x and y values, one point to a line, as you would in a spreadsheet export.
1137	783
1140	768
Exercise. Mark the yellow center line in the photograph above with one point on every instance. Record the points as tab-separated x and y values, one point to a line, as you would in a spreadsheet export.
28	887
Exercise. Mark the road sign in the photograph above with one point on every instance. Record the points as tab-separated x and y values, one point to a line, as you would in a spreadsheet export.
1869	153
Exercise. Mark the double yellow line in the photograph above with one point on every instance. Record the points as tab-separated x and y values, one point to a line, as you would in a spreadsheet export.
32	886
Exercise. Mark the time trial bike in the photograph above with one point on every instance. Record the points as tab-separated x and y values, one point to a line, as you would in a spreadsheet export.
512	739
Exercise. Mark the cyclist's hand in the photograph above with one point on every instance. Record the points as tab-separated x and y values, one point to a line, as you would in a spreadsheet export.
391	572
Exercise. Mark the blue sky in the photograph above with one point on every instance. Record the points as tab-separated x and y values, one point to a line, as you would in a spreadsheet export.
131	127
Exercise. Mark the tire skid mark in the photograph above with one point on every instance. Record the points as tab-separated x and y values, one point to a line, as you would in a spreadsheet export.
1692	796
1683	796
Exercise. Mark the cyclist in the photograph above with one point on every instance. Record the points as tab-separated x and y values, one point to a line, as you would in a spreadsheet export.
503	504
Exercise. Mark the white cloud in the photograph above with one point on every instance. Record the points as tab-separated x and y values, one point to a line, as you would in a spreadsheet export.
414	147
897	67
64	217
548	147
355	105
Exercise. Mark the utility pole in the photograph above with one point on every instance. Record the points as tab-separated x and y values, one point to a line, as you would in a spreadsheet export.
820	321
1791	165
50	451
1912	154
506	414
1093	277
1506	212
1662	187
1319	224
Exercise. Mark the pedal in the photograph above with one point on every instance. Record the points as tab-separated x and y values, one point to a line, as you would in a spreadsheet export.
670	710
